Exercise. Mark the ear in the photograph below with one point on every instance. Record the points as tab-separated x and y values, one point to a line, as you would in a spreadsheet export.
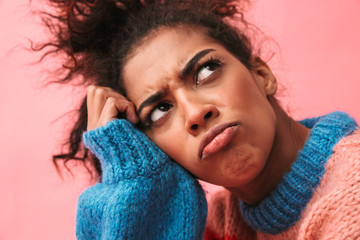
264	76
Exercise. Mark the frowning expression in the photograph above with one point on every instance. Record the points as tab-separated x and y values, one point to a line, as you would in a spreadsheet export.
202	106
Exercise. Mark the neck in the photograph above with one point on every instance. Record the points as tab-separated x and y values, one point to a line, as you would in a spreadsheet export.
289	140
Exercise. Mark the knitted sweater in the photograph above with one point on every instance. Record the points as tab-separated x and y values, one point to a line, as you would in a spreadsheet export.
142	193
145	195
319	198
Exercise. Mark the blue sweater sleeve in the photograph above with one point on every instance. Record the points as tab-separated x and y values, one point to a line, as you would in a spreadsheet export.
143	194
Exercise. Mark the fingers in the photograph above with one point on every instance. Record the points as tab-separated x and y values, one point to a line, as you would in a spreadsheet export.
105	104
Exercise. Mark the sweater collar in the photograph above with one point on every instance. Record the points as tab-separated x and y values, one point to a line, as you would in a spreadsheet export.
282	208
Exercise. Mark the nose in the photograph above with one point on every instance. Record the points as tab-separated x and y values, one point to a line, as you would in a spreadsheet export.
197	114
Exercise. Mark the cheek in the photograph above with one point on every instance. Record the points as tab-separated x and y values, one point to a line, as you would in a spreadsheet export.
237	94
172	143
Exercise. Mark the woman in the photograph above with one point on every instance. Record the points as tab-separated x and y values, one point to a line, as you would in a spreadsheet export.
193	84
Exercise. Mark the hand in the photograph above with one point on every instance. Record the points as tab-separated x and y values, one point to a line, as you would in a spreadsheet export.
104	104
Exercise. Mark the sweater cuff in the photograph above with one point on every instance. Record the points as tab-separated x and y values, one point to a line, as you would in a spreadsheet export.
124	152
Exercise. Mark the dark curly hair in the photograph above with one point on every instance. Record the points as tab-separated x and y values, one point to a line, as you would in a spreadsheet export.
97	36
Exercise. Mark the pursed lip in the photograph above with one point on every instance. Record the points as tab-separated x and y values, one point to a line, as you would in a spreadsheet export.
211	134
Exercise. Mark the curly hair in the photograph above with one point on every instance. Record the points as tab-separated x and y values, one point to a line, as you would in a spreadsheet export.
97	36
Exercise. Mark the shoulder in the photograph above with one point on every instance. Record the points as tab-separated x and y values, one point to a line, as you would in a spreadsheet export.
350	142
334	210
343	167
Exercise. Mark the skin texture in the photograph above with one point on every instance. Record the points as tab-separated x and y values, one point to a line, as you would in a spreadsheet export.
217	91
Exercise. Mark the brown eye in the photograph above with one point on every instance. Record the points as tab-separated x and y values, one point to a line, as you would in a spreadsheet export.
159	111
206	70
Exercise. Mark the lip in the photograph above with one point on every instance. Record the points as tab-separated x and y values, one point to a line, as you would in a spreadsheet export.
224	132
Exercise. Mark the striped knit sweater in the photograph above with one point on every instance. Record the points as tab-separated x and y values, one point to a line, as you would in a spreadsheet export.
318	199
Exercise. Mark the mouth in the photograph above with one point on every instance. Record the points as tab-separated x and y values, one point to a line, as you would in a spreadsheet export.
216	138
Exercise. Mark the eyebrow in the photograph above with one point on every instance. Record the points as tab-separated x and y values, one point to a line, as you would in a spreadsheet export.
151	100
191	64
186	71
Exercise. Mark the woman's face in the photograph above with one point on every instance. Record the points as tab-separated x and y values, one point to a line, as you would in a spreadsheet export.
202	106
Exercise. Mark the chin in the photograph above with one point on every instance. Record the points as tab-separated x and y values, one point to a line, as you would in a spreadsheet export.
243	168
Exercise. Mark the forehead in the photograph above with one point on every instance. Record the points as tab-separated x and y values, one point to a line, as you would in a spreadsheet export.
157	63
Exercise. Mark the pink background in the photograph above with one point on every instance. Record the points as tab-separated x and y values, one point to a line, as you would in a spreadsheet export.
318	63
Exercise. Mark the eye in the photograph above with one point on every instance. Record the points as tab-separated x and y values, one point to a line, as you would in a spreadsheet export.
159	111
206	70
